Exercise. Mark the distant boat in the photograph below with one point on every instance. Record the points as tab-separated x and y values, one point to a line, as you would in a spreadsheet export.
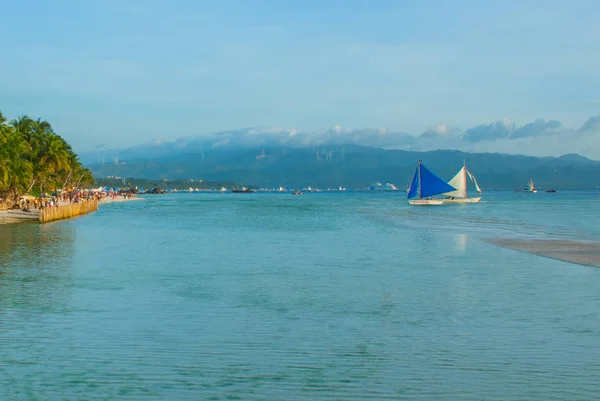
297	193
459	181
242	190
551	191
377	186
425	185
530	187
154	191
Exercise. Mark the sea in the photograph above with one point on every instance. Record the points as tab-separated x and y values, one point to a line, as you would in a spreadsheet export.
324	296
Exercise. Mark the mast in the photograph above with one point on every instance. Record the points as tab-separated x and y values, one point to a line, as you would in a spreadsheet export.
465	177
419	187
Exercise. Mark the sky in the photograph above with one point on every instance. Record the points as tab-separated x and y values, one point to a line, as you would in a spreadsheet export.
121	72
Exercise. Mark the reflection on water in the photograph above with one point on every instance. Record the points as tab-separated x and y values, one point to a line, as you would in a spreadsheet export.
276	297
35	265
35	242
461	242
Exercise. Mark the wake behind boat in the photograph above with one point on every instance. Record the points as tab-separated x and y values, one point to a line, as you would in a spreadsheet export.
425	185
459	181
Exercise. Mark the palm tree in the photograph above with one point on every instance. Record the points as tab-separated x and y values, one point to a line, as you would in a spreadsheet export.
32	153
16	169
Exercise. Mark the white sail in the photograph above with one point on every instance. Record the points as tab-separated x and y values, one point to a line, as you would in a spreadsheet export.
472	177
459	181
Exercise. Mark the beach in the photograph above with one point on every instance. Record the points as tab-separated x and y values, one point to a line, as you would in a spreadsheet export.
118	199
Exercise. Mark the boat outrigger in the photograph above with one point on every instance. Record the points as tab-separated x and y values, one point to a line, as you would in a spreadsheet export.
459	181
425	185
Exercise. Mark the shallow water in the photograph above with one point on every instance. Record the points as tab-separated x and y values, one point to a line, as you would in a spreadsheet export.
314	297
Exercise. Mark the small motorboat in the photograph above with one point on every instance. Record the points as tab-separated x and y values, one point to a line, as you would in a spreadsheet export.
551	191
297	193
530	187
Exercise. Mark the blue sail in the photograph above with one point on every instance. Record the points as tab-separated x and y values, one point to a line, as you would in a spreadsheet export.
432	185
414	185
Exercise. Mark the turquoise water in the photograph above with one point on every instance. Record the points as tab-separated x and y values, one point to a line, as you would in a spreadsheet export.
314	297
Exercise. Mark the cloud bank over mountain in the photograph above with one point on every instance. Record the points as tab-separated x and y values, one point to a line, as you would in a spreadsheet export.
537	138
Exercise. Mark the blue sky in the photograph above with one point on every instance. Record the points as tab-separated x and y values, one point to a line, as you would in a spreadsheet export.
124	72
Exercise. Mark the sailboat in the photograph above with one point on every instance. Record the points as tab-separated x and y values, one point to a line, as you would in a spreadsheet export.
459	181
424	185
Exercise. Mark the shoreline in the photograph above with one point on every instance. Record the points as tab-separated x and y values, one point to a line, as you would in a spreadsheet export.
572	251
117	200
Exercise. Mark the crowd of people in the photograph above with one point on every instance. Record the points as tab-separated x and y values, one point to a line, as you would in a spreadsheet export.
61	198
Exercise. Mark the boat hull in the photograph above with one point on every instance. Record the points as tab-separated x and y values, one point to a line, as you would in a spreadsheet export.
462	200
426	202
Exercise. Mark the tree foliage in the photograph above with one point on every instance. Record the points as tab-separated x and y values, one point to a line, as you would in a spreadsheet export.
34	158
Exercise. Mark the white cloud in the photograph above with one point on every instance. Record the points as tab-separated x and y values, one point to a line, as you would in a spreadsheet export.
493	131
592	125
538	138
438	130
538	128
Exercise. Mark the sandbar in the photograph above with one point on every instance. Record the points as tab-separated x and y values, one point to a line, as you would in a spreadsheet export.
579	252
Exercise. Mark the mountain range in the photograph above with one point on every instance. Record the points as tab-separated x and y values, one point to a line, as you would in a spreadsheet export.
351	166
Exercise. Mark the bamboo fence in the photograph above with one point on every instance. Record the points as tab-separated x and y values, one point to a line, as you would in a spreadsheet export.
5	205
67	211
